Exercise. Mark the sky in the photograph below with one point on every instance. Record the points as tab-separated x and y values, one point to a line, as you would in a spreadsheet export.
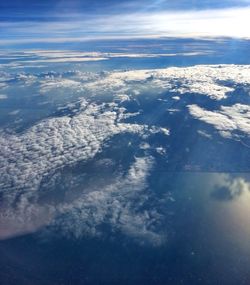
29	21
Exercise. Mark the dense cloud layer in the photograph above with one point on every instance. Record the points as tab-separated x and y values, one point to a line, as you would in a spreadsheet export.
53	144
213	81
229	121
81	131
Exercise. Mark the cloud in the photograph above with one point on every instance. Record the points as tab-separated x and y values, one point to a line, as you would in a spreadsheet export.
214	90
3	96
34	57
202	79
59	83
205	80
67	59
231	189
125	204
28	158
229	121
57	142
13	113
230	22
121	205
214	81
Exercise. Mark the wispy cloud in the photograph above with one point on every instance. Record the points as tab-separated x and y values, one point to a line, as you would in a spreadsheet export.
231	22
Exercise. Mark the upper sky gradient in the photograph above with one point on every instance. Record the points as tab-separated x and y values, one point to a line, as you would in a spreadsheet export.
24	21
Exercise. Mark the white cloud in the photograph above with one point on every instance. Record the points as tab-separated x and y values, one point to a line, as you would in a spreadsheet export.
177	98
161	150
121	204
26	58
50	84
48	146
27	158
57	142
3	96
13	113
215	91
66	59
227	120
231	22
215	81
228	188
204	134
202	79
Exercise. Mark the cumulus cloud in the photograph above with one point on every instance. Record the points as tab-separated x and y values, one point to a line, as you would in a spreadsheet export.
227	120
28	158
204	80
57	142
121	205
214	81
231	188
59	83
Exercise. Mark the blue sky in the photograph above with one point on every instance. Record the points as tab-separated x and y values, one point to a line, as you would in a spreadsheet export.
25	9
24	21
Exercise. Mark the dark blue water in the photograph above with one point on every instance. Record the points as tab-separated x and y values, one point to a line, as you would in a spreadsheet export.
208	236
